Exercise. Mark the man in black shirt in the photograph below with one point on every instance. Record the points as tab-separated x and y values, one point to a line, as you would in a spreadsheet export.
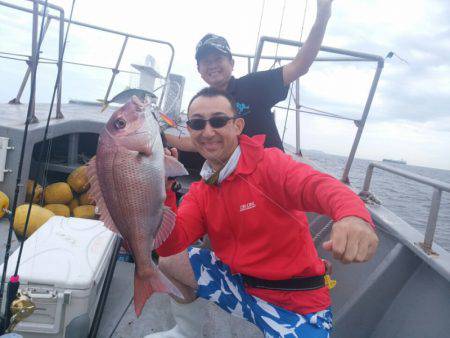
255	93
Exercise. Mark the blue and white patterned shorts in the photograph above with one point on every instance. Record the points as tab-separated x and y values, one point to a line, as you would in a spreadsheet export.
217	284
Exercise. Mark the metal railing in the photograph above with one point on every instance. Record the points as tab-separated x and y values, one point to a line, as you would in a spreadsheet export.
34	44
115	70
438	188
347	56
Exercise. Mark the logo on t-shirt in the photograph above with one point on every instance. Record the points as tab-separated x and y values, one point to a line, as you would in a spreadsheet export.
242	108
247	206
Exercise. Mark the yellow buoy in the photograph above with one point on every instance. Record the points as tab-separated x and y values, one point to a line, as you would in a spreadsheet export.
38	216
85	199
37	191
58	193
4	203
59	209
78	180
84	211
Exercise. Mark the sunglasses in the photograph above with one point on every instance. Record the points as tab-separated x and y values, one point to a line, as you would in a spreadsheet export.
215	122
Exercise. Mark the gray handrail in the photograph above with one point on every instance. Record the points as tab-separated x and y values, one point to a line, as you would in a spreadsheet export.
358	56
33	58
438	188
25	57
107	30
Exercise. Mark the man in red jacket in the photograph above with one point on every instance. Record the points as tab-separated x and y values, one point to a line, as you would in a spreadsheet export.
251	202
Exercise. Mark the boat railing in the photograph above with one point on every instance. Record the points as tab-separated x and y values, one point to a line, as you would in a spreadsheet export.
343	55
62	20
438	188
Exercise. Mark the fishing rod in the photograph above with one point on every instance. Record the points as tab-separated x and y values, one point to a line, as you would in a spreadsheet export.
14	283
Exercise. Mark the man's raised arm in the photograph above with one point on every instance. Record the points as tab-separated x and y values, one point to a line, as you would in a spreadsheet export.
307	54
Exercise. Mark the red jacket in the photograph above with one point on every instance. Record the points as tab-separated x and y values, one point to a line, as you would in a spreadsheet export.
256	221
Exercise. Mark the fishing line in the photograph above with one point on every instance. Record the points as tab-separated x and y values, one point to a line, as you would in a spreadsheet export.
121	317
276	60
270	199
249	183
281	26
261	192
47	164
291	91
287	112
303	23
260	22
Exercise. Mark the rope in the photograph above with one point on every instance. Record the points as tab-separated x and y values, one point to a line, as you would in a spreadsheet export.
290	95
304	17
260	22
281	26
279	34
287	113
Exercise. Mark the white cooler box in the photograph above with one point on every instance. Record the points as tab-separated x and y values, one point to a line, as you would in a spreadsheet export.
62	269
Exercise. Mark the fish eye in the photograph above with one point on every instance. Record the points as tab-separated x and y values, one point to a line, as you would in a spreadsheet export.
120	123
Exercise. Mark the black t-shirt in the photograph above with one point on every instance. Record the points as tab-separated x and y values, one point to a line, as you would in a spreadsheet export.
255	95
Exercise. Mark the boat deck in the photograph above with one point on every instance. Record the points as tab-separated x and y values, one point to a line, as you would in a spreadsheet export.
119	319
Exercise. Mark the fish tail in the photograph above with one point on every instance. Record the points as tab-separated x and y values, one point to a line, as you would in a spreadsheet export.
145	287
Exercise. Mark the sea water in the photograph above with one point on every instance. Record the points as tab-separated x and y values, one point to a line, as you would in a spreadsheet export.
408	199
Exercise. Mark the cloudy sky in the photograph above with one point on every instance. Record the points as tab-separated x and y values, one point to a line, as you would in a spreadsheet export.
410	116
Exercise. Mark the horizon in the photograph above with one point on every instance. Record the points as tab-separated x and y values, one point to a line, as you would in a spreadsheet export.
374	160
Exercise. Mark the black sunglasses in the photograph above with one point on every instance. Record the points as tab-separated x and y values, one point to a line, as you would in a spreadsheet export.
214	122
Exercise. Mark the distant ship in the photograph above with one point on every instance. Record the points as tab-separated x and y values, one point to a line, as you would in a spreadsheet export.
402	161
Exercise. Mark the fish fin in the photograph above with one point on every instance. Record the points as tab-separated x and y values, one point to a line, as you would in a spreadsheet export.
96	194
144	288
167	224
173	167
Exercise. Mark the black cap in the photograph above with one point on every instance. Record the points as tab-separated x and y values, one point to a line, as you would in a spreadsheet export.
212	42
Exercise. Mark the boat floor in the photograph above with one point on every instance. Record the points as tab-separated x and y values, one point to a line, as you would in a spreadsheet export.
119	319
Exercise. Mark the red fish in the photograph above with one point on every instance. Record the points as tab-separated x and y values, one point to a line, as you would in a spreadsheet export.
127	182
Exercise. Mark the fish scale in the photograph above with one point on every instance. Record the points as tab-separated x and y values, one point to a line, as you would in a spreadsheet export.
131	202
